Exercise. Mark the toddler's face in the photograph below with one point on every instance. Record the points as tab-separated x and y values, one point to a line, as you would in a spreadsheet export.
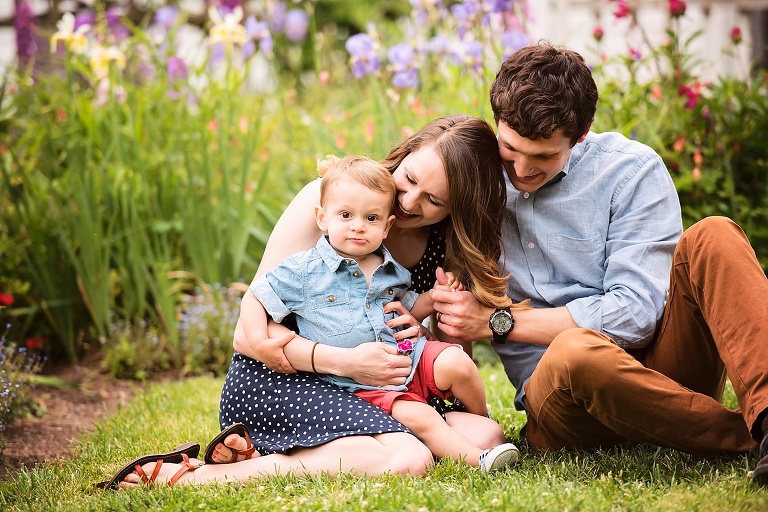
356	218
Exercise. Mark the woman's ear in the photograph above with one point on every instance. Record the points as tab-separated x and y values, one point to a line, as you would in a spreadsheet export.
320	218
390	221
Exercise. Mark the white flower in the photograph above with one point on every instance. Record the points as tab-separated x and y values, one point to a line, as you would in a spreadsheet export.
228	29
74	40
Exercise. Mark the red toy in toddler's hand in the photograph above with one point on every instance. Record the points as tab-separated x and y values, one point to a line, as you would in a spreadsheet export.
405	347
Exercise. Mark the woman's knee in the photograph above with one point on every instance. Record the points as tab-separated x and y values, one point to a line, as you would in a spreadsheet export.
411	457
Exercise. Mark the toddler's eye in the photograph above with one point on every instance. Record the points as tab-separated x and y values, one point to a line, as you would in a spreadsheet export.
346	215
372	218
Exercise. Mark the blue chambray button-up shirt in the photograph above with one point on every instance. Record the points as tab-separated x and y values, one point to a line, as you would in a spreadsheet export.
598	239
333	302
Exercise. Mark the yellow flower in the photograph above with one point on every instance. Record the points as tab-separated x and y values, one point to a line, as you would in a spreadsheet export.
74	40
228	29
101	58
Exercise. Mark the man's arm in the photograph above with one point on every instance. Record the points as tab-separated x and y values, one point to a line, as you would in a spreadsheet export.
463	317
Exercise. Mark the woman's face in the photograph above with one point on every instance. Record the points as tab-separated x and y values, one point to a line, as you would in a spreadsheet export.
422	190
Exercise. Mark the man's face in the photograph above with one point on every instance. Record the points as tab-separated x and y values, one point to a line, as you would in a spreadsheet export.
531	164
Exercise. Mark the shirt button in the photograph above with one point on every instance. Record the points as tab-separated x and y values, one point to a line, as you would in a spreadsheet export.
391	291
526	195
379	338
367	305
355	273
531	245
331	298
347	262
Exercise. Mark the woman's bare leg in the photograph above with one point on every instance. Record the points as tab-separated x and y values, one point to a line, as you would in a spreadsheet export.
394	452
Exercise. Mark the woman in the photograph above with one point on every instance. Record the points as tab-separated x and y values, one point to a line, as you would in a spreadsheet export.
450	199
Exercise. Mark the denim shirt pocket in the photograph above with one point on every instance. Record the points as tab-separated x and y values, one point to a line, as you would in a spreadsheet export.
332	312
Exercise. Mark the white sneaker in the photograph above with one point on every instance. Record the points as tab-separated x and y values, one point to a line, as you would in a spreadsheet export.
499	457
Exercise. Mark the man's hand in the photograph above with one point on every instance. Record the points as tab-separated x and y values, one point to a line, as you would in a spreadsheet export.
459	314
378	364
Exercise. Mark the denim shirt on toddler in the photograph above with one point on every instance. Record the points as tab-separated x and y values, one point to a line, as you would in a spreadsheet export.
334	304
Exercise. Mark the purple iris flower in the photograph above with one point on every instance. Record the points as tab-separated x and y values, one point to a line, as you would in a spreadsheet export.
512	41
257	32
296	25
166	16
177	69
85	18
438	45
228	6
114	16
469	53
402	57
278	16
24	24
363	52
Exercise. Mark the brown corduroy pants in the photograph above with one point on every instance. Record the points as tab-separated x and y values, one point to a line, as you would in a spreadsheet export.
588	392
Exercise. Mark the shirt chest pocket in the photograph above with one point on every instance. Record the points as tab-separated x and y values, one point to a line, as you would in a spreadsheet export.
584	256
332	313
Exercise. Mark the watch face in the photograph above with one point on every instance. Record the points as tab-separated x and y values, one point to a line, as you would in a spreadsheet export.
501	321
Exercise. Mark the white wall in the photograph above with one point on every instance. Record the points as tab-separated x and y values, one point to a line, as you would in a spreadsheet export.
571	22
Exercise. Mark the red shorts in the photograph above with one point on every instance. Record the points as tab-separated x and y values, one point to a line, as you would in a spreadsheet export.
420	389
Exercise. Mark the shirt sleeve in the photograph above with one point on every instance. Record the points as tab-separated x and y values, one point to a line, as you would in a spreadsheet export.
644	228
286	277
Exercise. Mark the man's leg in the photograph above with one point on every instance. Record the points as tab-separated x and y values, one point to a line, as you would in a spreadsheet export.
716	318
587	392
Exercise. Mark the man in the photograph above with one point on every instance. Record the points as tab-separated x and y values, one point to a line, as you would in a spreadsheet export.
632	327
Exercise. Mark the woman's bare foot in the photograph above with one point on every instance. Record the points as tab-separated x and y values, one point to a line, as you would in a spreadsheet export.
168	471
224	451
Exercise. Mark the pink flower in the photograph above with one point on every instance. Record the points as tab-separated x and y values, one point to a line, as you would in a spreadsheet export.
679	144
676	8
598	33
736	35
405	347
6	300
622	9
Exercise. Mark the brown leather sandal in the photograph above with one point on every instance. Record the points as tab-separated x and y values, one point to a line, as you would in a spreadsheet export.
235	428
185	466
177	455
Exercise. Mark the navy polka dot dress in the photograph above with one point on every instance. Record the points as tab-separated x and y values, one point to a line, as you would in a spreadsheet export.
288	411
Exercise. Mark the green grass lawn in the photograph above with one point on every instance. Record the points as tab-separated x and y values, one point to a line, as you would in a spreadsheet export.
642	478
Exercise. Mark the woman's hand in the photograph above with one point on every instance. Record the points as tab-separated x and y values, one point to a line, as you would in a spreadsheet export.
412	328
377	364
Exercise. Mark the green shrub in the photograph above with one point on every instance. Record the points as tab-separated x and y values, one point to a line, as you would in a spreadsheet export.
17	365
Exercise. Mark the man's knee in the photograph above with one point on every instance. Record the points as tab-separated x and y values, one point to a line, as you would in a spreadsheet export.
578	351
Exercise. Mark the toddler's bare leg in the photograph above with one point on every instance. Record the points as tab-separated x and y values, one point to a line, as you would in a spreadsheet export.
427	424
456	372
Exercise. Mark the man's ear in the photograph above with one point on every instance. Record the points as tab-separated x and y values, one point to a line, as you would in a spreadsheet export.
320	218
390	221
581	139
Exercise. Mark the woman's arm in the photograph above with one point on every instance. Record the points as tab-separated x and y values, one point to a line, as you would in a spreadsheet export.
371	363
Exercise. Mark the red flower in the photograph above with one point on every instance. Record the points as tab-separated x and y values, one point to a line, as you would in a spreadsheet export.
6	300
598	33
36	343
676	8
736	35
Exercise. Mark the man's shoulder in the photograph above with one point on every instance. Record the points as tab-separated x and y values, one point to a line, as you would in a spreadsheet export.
615	143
